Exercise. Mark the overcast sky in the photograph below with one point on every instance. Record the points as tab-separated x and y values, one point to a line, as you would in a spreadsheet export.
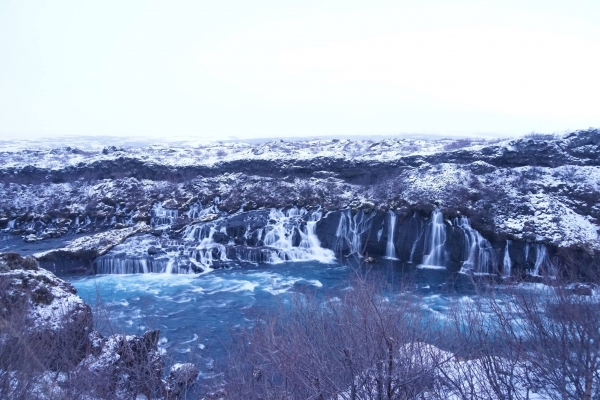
245	69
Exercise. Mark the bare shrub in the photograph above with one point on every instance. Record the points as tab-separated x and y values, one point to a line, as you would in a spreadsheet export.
524	343
360	346
560	330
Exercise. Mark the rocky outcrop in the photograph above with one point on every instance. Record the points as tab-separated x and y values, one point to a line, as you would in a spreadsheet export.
123	366
44	324
537	190
77	255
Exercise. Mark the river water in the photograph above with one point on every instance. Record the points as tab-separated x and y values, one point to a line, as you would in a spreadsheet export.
196	313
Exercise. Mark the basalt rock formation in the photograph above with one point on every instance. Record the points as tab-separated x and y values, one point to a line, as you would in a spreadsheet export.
46	329
529	205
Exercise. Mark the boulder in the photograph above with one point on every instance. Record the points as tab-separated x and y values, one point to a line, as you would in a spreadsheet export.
30	238
153	250
208	217
141	216
481	167
181	376
123	366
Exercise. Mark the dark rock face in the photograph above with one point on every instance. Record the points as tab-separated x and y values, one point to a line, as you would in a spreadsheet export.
124	366
181	376
45	326
506	188
43	320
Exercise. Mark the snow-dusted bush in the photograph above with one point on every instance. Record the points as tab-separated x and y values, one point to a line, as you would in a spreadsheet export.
529	342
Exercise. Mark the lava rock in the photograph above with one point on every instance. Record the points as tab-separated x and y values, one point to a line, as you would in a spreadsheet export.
30	238
141	216
122	366
170	204
208	217
181	376
45	316
250	205
481	167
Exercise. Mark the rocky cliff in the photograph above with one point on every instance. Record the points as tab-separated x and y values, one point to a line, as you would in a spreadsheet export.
49	348
523	205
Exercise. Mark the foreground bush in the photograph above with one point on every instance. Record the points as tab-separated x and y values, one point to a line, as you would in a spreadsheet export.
518	342
49	350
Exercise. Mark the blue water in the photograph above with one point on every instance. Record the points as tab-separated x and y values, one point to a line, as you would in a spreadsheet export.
196	313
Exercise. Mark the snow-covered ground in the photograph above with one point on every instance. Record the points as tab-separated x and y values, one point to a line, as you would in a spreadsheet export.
536	189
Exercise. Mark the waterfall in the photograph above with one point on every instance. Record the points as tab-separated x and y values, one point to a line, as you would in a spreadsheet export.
350	232
481	258
418	237
162	217
208	250
542	262
507	262
127	265
287	229
196	210
288	236
311	242
435	238
197	232
390	250
540	256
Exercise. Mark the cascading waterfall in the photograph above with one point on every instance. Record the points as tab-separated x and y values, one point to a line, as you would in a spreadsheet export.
390	250
542	262
507	262
311	242
288	236
418	237
540	256
435	238
481	256
350	232
205	253
196	210
128	265
162	217
197	232
282	235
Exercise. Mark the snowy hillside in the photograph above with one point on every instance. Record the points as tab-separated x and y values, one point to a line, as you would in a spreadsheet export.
538	190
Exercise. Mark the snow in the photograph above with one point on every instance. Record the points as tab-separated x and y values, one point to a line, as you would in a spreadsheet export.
552	201
99	243
64	303
211	154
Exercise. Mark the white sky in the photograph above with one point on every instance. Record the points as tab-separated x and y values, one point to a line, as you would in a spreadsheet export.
247	69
